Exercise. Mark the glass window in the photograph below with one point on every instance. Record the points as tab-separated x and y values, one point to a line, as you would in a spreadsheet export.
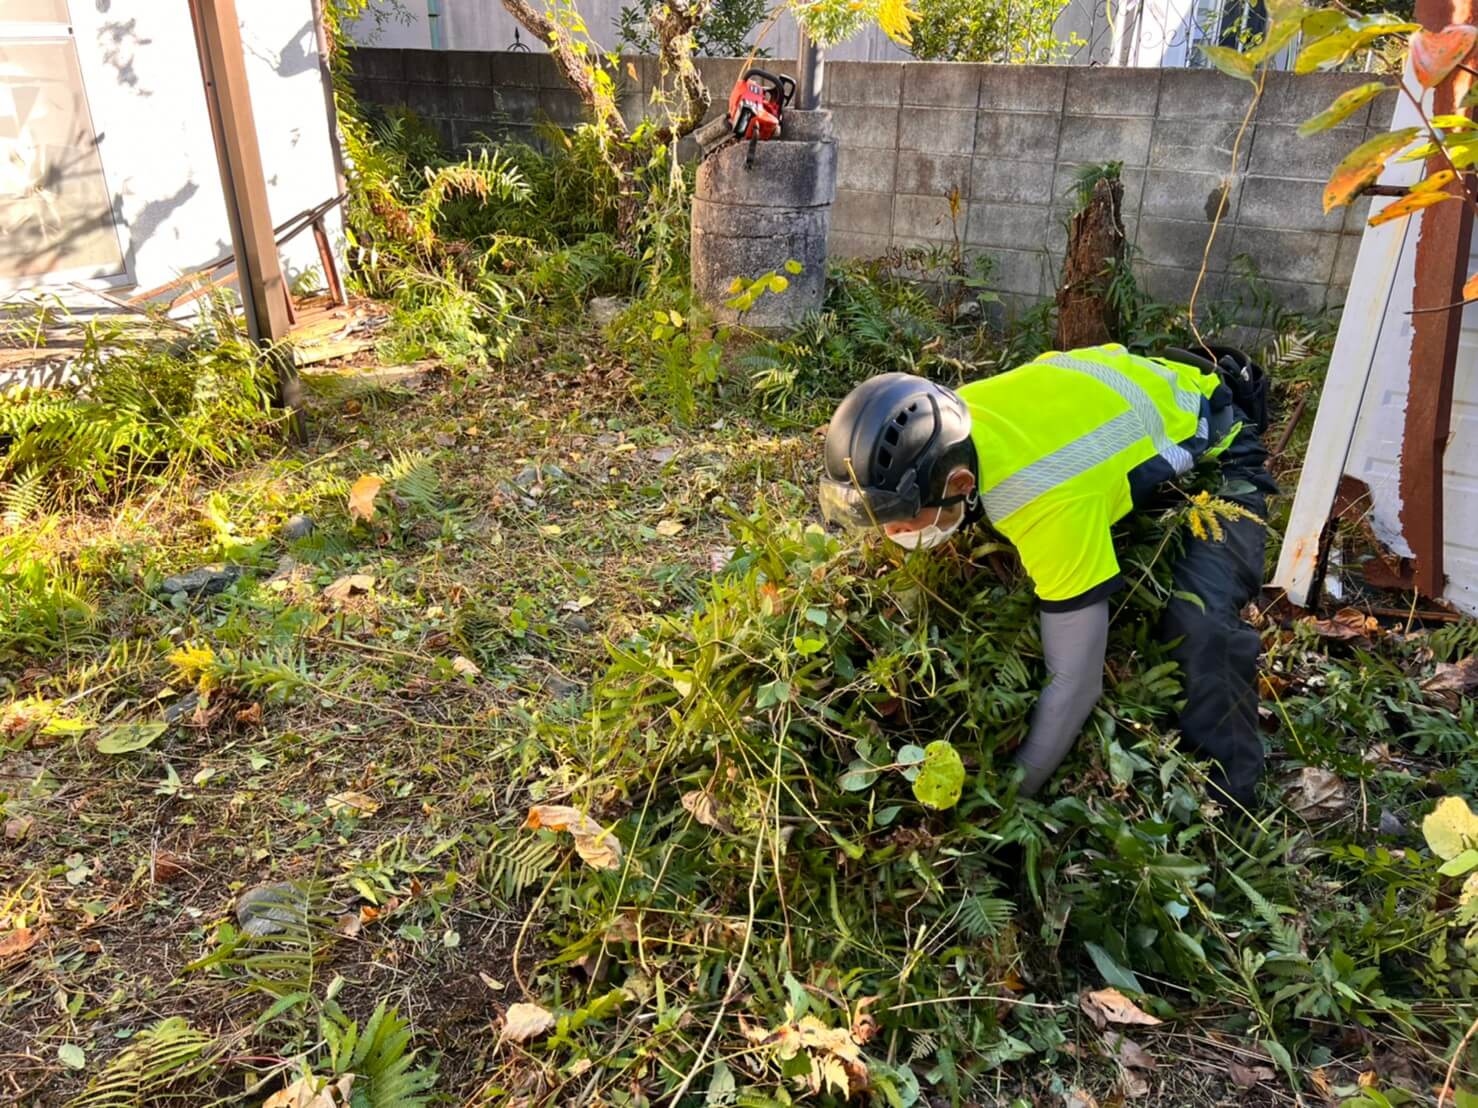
55	212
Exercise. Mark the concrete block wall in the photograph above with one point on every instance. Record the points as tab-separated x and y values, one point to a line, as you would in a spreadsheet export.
986	155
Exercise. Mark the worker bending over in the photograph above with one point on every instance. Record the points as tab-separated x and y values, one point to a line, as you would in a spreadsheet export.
1053	453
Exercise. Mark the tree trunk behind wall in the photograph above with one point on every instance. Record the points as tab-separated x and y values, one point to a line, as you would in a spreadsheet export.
1095	243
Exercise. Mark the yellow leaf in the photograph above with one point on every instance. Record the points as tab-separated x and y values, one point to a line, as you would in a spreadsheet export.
1111	1006
896	19
1439	180
1344	105
362	497
466	666
351	804
192	665
349	585
1362	166
670	527
1406	205
523	1022
597	846
1451	828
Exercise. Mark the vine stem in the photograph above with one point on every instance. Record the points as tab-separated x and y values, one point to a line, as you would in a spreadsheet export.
1452	1066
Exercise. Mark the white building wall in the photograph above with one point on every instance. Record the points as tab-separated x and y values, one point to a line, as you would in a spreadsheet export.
142	77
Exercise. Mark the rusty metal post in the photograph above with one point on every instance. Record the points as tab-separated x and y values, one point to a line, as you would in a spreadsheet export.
258	268
1442	249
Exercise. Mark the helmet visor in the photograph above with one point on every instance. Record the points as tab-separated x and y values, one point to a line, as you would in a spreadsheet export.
845	505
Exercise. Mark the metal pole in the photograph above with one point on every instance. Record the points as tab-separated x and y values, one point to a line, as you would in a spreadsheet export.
258	268
811	61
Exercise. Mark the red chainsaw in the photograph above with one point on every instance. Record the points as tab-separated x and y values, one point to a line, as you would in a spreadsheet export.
756	106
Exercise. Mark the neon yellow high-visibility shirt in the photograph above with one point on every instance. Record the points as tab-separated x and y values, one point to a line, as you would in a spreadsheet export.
1065	441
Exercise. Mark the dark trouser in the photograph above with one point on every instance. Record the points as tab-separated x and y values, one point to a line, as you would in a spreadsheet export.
1217	652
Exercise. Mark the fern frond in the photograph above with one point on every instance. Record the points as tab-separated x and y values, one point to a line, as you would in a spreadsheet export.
158	1058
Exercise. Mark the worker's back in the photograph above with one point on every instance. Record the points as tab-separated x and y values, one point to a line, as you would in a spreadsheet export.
1068	442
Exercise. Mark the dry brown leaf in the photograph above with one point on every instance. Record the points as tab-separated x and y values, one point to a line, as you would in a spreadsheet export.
466	666
597	846
351	803
351	584
864	1025
1320	1080
523	1022
19	941
1316	794
348	925
670	527
1078	1098
252	713
362	497
702	807
313	1092
168	867
1246	1077
1128	1052
1105	1006
18	827
1347	625
1453	680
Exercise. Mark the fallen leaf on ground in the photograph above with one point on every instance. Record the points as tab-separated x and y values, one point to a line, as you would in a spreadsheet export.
351	584
670	527
600	848
351	803
1078	1098
252	713
466	666
1317	794
168	866
523	1022
18	941
348	925
1246	1077
1450	828
1106	1006
702	807
1128	1052
1453	680
313	1092
864	1025
1347	625
18	827
362	497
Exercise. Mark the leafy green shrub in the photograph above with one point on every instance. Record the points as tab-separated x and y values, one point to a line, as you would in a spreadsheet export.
971	31
135	409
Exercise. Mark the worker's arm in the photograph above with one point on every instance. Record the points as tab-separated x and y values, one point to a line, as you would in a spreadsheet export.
1074	643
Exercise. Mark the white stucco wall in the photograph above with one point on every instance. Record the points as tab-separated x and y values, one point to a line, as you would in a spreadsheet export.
142	77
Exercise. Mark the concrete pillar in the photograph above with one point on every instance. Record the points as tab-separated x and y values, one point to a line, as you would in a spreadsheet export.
748	222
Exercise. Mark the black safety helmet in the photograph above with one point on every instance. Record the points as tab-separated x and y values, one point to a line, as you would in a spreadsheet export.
903	436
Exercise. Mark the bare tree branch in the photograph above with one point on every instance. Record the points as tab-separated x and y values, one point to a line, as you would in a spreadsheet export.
675	21
574	66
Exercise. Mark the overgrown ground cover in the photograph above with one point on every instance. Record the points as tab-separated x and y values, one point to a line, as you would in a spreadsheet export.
565	760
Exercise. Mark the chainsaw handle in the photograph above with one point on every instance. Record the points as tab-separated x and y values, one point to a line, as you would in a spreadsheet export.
782	83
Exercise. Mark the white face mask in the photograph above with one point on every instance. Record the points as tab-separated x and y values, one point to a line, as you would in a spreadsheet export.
928	536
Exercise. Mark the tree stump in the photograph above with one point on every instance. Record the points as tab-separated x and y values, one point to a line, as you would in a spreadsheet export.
1095	243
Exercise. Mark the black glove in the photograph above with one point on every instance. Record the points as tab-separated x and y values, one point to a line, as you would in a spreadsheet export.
1243	377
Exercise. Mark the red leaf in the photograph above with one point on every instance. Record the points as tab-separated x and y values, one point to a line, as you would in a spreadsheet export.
1435	54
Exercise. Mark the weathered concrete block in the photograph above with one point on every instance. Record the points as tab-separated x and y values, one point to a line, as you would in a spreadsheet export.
942	84
866	212
388	93
1202	94
469	67
1293	98
933	174
1105	139
1280	151
1344	261
471	101
854	244
937	130
1171	242
377	63
1011	182
866	170
1112	90
1300	256
429	101
717	260
1030	273
1173	285
744	221
855	126
425	65
1023	88
1277	202
1355	215
922	218
1012	226
785	175
526	70
1028	136
561	106
878	84
1311	298
1188	196
1205	147
519	104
